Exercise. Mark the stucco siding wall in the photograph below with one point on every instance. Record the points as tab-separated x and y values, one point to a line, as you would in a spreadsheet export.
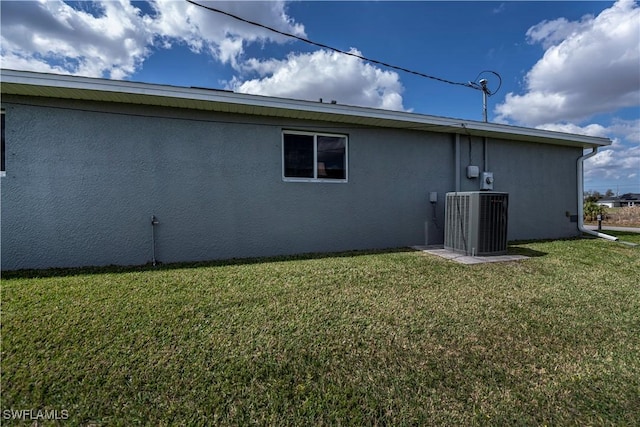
83	180
542	185
540	179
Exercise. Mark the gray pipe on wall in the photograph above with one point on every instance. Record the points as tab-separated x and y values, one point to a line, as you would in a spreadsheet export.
457	161
154	222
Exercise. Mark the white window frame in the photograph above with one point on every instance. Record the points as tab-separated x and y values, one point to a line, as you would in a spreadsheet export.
315	157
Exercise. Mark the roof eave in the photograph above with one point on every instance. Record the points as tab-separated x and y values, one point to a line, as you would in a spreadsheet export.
95	89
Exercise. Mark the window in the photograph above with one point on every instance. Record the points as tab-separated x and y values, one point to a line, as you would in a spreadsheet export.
314	157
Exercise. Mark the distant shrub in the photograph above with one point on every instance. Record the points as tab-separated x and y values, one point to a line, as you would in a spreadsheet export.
627	216
592	210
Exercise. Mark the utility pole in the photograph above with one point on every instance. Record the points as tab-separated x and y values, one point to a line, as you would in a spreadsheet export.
482	85
485	91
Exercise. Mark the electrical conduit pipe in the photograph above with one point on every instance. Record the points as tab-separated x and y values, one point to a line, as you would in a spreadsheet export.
581	226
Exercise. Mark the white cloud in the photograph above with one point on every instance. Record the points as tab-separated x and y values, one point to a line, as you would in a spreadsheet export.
593	129
222	36
51	35
501	8
113	38
619	163
589	67
550	33
324	74
627	129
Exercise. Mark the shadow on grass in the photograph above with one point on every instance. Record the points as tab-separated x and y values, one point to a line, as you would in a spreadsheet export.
117	269
515	247
519	250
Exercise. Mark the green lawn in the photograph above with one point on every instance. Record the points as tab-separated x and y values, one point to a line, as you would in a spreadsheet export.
387	338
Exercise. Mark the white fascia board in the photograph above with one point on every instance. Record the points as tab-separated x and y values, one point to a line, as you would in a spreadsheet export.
283	107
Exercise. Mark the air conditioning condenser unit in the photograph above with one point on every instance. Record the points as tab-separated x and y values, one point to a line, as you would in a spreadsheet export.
476	222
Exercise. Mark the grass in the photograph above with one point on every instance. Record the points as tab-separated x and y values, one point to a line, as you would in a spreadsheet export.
387	338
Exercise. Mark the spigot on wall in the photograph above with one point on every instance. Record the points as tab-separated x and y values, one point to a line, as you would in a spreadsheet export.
154	222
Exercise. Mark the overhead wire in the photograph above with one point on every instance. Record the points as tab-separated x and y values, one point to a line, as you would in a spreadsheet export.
471	85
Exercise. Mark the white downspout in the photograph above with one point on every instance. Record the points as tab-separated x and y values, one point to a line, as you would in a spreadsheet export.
581	226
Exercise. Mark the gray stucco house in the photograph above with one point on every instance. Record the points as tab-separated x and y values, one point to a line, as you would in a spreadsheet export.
89	162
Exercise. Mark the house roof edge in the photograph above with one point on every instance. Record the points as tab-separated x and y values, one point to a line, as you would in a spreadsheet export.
31	83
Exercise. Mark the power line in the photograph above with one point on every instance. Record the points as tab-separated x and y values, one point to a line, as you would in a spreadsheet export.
471	85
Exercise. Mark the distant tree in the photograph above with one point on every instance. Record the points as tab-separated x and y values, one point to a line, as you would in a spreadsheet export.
592	196
609	193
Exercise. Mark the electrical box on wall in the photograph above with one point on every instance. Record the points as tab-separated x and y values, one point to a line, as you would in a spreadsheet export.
433	197
473	172
486	181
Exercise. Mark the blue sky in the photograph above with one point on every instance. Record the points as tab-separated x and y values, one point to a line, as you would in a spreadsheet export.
570	66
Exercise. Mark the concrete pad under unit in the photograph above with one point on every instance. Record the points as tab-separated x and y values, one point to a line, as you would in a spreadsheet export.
465	259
